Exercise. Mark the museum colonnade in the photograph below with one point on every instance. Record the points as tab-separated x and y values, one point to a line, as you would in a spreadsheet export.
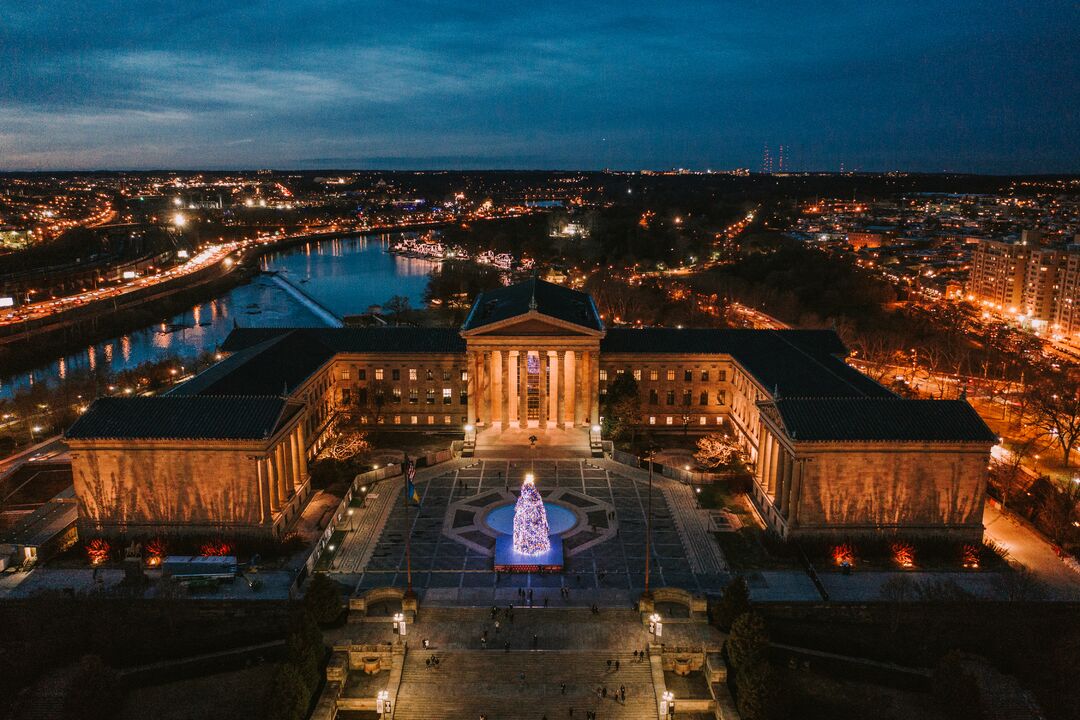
533	387
282	472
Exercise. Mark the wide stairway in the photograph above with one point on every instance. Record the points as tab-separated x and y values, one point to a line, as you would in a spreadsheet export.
468	683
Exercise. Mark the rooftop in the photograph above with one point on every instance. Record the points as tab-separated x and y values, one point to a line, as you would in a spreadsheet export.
546	298
183	417
870	419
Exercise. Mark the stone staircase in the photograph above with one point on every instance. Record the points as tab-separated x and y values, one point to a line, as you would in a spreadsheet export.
470	682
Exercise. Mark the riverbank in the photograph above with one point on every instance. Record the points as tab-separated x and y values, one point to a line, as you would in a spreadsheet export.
87	325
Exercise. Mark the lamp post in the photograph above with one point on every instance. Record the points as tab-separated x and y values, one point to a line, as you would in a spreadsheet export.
384	703
656	625
399	624
650	454
350	512
667	704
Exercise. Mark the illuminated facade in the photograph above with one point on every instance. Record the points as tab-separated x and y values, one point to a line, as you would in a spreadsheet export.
228	450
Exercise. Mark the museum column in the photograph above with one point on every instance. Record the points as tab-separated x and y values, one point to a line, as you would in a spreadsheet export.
523	388
542	410
594	388
265	507
470	387
511	396
781	480
579	411
557	372
555	397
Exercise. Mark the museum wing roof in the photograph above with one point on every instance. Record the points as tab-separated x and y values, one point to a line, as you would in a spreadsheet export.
194	417
799	363
880	419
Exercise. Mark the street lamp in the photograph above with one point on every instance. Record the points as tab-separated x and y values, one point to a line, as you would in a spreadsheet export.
350	513
383	705
667	703
650	453
399	624
656	625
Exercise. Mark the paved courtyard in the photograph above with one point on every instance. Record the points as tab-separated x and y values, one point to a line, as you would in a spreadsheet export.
607	564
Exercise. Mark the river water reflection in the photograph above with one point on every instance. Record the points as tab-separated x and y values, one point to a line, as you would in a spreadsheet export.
344	275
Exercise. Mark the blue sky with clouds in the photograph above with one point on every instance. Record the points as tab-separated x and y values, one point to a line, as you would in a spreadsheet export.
984	86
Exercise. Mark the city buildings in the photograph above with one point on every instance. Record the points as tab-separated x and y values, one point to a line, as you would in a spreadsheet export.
227	452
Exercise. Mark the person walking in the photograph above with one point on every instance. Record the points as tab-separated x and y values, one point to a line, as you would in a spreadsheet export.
562	691
603	692
616	666
622	693
496	627
609	665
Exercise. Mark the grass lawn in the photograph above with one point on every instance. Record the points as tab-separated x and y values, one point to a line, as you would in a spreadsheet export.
745	548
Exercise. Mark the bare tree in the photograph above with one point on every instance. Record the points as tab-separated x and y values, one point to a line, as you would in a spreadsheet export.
1007	471
1057	508
716	450
1054	408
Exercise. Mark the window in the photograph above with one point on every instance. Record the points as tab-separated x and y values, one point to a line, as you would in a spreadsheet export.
670	397
346	375
397	419
412	373
670	374
430	396
361	396
637	375
396	395
414	396
669	420
430	419
414	420
464	396
346	396
430	375
446	375
723	376
654	375
703	419
361	374
687	397
654	397
720	397
446	419
378	373
603	374
447	396
652	419
688	375
704	398
704	376
395	374
464	376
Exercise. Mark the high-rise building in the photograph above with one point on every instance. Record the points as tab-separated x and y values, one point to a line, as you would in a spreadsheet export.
998	271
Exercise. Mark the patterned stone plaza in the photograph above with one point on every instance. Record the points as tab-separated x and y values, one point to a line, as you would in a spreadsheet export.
605	554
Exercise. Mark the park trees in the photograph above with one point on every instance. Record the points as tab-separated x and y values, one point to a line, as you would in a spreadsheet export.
1054	409
734	603
1007	470
622	409
323	599
755	680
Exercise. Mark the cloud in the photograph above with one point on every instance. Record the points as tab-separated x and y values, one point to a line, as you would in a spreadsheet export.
684	83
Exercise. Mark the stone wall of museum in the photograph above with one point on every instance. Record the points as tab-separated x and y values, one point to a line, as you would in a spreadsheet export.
921	488
167	488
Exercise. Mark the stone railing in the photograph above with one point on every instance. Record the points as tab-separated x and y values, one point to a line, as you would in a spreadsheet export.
360	603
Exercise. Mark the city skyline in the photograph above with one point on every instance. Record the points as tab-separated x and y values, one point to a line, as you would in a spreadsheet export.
982	88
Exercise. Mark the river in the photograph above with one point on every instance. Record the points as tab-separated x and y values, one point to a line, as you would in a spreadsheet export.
345	275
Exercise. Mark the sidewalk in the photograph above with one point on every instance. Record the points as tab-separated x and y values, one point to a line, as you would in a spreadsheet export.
1030	550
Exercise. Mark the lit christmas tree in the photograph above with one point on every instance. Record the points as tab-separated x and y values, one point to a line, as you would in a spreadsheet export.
530	521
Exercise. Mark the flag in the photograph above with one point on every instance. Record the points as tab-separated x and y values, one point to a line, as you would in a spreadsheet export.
410	489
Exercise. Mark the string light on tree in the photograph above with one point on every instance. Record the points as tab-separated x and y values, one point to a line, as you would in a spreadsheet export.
530	521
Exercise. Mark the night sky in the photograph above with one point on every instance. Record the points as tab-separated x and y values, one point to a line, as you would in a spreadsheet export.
980	86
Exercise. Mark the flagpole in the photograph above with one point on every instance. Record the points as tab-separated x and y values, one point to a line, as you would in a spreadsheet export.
408	528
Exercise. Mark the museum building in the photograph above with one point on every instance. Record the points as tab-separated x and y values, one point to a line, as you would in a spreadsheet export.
832	451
